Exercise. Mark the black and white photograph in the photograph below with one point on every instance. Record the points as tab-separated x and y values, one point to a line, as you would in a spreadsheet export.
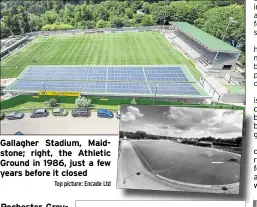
180	149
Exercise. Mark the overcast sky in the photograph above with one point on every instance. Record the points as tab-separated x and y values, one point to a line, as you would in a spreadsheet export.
182	122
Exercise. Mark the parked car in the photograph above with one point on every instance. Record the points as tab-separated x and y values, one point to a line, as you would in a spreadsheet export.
2	115
118	114
15	115
104	113
18	133
59	112
39	113
80	112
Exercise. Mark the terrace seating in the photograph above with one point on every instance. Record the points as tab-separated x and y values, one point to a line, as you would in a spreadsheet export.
186	48
203	56
204	61
171	35
198	48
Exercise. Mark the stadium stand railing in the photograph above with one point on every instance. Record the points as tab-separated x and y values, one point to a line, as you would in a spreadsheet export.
104	30
236	150
13	46
186	47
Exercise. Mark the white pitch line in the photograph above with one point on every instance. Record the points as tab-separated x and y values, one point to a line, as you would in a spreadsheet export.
172	167
142	157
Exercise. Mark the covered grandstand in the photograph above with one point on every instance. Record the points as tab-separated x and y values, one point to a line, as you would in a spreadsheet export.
207	51
14	42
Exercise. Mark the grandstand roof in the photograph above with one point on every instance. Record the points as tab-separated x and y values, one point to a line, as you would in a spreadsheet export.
203	38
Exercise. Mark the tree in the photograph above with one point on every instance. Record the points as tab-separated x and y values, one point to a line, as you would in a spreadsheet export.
52	102
242	59
129	13
188	11
57	5
102	24
35	22
147	20
8	20
146	7
239	141
77	17
117	22
68	13
121	134
138	18
61	26
133	101
86	12
49	4
50	17
82	101
4	31
160	13
101	13
141	134
36	9
211	16
23	20
215	21
89	24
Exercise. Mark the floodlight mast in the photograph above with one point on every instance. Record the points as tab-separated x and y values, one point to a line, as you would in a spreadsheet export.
44	86
230	21
44	89
155	93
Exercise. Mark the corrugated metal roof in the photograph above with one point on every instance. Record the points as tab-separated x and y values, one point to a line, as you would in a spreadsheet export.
212	43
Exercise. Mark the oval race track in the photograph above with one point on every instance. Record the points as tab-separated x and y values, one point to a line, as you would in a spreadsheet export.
187	163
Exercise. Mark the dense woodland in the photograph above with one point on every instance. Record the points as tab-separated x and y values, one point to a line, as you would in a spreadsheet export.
19	16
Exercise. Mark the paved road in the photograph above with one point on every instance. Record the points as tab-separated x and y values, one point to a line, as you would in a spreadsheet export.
61	125
129	164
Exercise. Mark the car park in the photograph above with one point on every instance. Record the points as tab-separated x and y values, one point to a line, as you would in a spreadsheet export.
59	112
2	115
80	112
104	113
39	113
118	114
15	115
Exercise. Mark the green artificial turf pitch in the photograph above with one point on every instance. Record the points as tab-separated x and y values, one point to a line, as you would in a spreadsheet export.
134	48
189	164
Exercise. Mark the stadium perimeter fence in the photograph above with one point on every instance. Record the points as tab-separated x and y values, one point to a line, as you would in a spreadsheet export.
22	99
87	31
100	30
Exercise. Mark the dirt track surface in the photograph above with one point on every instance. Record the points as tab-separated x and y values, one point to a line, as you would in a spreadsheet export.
188	163
129	164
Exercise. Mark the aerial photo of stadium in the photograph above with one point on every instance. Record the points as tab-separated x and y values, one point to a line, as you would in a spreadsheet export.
167	62
136	49
180	149
131	48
